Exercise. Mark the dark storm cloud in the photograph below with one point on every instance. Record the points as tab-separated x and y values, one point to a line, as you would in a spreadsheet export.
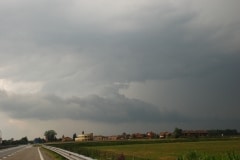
161	43
80	48
93	108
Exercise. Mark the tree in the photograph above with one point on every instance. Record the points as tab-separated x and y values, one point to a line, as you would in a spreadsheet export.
50	135
39	140
124	135
74	136
177	132
24	140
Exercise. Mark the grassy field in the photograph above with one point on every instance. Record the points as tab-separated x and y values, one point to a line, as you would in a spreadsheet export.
158	150
170	151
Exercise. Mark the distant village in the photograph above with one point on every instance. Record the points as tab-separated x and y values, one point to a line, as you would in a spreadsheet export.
83	137
178	133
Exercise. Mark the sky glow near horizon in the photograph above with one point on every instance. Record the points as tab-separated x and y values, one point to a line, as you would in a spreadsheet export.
109	67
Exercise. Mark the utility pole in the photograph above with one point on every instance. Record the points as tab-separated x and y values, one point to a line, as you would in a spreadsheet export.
0	137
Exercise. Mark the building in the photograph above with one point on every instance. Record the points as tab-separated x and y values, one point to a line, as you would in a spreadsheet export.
66	139
151	135
163	135
113	138
138	136
84	137
100	138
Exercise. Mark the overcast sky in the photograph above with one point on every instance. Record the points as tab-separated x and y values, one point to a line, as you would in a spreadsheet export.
110	67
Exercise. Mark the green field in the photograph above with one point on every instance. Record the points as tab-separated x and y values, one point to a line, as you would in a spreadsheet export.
158	150
170	151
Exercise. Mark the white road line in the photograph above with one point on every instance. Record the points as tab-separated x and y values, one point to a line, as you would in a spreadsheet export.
40	154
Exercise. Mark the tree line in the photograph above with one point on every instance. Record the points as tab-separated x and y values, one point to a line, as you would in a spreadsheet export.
210	133
23	140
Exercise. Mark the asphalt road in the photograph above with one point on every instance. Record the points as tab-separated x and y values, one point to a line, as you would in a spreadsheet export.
27	152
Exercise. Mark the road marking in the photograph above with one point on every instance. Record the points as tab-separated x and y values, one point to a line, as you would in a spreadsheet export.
40	154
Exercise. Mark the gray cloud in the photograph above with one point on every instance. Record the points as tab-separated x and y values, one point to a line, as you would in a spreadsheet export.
54	51
161	43
117	109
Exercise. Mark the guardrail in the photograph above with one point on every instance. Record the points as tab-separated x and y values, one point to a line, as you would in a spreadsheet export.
67	154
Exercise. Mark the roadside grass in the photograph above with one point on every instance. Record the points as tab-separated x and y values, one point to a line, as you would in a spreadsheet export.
52	154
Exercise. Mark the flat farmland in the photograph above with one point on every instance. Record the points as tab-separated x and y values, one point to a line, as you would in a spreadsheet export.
170	151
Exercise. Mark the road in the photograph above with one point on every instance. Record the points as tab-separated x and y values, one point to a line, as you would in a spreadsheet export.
23	153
